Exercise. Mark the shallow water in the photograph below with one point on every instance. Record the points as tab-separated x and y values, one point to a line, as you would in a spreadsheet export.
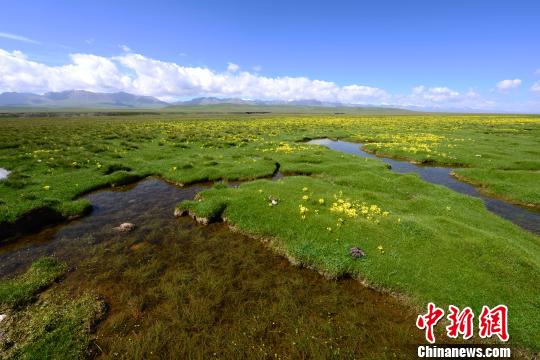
110	208
177	289
528	219
4	173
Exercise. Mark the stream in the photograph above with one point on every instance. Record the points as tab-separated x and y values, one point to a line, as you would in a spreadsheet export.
528	219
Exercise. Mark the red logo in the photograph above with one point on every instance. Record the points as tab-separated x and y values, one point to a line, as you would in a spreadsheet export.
429	320
460	322
491	322
494	322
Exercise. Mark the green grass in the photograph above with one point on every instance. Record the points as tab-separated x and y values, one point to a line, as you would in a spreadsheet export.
55	160
500	153
21	290
56	328
514	185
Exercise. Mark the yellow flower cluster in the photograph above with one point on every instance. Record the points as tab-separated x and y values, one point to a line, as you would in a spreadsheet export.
303	211
284	147
342	207
353	209
424	143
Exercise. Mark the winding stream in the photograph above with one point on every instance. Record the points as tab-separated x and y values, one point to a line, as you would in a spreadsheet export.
528	219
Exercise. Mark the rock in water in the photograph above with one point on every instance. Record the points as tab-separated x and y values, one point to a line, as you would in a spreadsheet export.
4	173
125	227
357	253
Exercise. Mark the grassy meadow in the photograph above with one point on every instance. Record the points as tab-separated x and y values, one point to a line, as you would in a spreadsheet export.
422	241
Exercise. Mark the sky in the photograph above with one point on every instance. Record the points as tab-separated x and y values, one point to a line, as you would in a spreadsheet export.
482	55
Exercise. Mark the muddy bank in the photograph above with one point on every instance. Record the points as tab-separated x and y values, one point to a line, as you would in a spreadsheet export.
29	222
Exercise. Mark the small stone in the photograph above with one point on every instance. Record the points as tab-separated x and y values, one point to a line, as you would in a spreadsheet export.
273	201
356	253
125	227
2	317
202	220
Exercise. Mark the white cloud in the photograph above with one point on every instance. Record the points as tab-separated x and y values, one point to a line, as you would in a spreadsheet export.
536	87
138	74
232	67
508	84
434	94
18	38
441	97
88	72
257	68
125	48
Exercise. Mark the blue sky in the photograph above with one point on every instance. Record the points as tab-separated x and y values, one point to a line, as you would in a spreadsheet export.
426	53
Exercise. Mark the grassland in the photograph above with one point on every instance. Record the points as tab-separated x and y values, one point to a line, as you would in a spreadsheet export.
421	240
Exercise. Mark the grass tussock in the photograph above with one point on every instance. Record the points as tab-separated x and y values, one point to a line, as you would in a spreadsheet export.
21	290
56	327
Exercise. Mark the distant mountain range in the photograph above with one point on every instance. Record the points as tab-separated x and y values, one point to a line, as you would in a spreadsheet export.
82	99
236	101
79	99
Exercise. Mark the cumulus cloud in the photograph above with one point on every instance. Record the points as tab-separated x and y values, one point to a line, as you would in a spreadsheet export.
138	74
441	97
89	72
18	38
435	94
508	84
